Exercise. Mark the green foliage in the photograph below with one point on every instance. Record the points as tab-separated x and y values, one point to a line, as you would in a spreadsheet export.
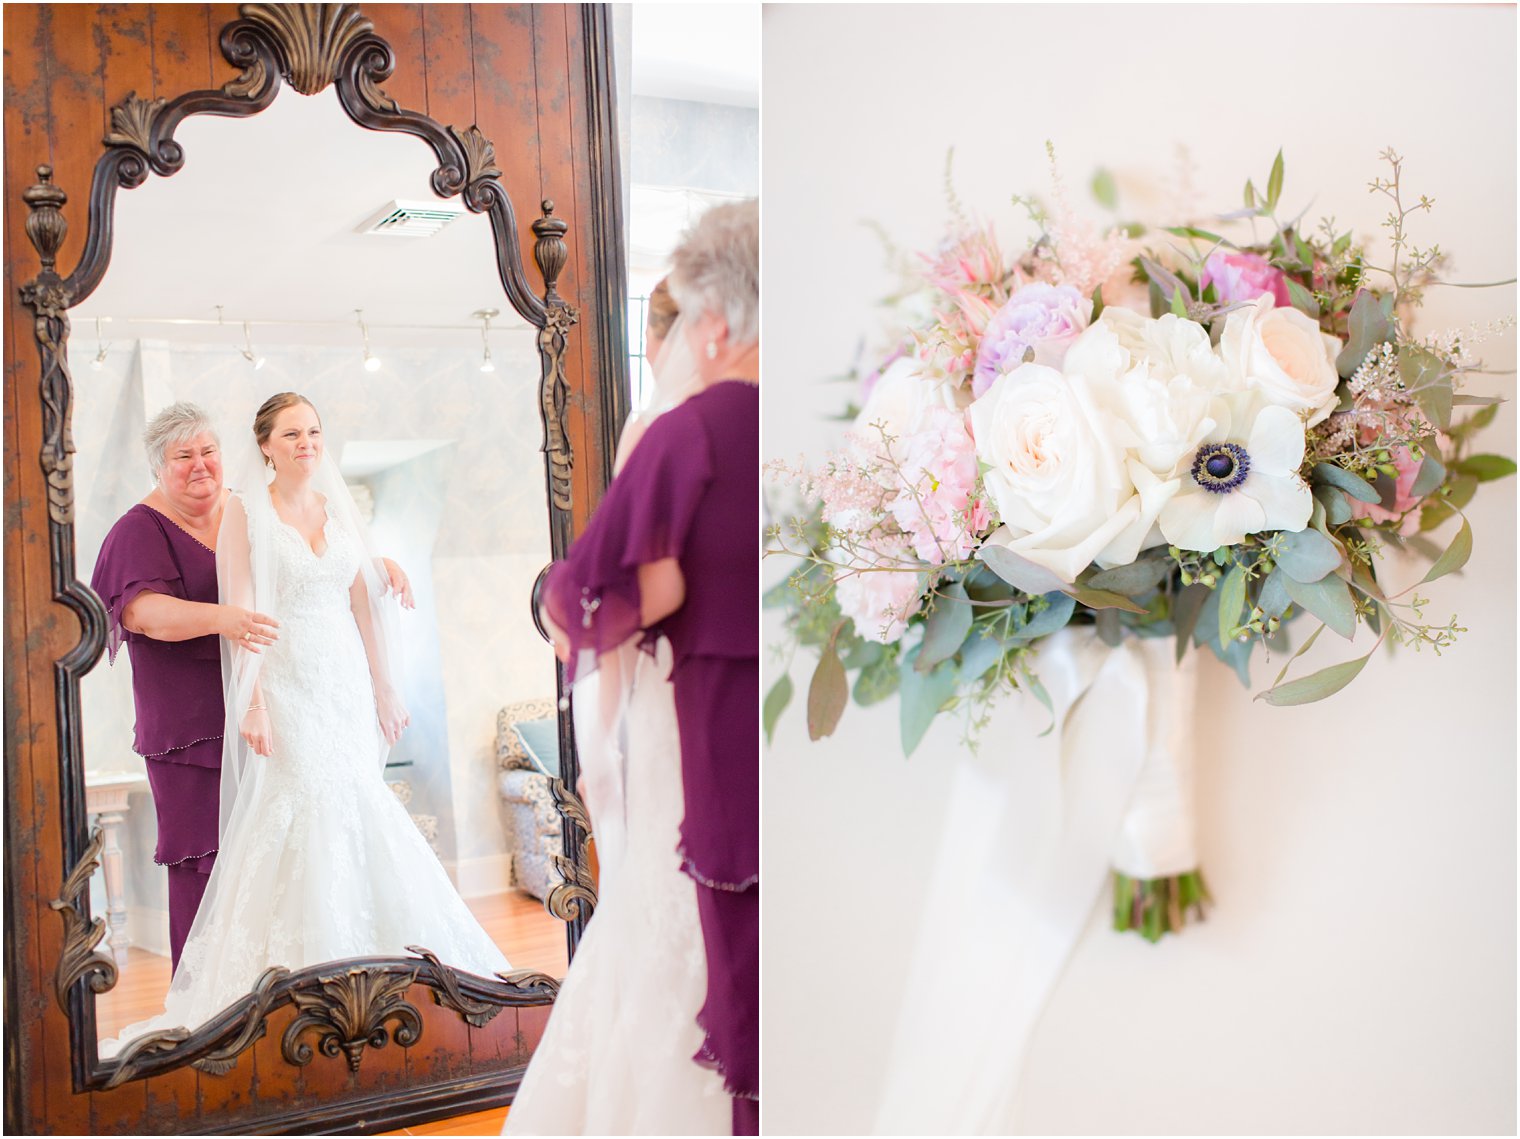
946	627
776	701
1371	324
1317	685
1484	468
827	695
923	695
1307	555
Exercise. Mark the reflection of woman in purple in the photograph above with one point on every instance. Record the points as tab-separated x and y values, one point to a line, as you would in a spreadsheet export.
669	563
156	574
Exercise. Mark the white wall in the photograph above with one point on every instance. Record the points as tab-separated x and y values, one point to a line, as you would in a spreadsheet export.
1358	972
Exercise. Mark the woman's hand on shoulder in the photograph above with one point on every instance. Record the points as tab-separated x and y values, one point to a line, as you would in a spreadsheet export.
400	584
256	732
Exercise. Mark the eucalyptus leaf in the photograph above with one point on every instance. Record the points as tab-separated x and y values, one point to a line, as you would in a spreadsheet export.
1273	600
1485	468
1432	474
1275	182
1097	304
827	695
1050	619
876	682
1303	299
1237	654
1369	325
923	695
1307	555
1455	557
1185	614
1132	580
1460	491
1018	571
978	654
1435	401
1103	599
1337	509
1315	686
1339	477
1484	401
946	626
1232	603
776	701
1194	231
1329	599
1206	627
862	653
1034	687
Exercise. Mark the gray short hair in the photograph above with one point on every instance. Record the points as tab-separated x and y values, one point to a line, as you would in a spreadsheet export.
174	424
716	268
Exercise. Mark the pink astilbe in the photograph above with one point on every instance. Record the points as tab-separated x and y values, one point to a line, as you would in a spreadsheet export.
937	505
1075	252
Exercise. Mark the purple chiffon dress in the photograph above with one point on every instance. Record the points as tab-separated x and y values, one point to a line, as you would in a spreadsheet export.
177	690
690	491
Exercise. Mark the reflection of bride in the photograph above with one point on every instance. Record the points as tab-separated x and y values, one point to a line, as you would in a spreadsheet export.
625	1051
319	860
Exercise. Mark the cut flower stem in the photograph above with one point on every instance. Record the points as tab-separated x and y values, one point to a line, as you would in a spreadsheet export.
1156	906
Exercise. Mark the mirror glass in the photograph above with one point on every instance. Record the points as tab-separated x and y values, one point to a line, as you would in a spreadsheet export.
249	273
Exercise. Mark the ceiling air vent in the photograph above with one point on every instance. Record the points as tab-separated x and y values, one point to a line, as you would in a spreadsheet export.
412	219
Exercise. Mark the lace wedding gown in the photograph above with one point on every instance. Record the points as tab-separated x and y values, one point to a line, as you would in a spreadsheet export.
616	1058
322	862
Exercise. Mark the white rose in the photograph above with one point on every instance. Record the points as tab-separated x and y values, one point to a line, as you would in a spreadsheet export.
1282	353
1171	346
1057	476
896	408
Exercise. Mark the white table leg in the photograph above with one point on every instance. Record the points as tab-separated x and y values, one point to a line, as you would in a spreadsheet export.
116	887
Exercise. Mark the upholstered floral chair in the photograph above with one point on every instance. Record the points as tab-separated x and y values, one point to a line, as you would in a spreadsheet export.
527	754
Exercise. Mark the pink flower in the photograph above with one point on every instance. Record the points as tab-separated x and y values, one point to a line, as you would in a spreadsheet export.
1403	500
1041	318
880	600
937	507
1243	277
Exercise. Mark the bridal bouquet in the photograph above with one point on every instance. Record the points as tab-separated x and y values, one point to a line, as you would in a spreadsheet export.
1205	432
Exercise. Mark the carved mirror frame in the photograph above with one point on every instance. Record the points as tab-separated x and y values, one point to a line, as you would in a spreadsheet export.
344	1007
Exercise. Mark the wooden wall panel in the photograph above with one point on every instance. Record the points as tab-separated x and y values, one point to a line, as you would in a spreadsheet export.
516	71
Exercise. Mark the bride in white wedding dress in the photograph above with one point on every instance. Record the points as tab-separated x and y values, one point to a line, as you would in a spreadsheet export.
319	860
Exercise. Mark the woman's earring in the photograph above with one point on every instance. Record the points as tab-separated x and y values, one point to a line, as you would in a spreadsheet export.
712	349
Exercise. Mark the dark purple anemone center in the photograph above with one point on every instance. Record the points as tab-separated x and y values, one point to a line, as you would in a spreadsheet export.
1221	467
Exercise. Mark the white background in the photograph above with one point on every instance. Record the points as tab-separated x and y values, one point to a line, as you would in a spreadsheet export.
1358	972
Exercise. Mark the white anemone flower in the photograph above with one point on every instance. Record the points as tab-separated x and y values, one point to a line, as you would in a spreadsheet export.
1243	479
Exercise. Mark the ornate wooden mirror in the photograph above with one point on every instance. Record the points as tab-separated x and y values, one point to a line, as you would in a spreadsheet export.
364	1043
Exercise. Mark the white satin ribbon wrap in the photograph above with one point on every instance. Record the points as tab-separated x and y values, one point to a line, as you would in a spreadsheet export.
1028	853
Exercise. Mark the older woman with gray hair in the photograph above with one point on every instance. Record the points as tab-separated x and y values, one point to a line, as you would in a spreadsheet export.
671	556
156	575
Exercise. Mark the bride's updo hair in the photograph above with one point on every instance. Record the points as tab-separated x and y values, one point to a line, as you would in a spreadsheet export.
263	420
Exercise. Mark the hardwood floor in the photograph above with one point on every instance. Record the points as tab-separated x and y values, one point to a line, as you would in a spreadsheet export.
529	936
476	1123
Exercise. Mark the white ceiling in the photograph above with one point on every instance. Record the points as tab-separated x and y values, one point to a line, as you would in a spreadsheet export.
703	52
262	218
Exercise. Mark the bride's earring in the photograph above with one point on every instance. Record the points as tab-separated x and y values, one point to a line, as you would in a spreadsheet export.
712	349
